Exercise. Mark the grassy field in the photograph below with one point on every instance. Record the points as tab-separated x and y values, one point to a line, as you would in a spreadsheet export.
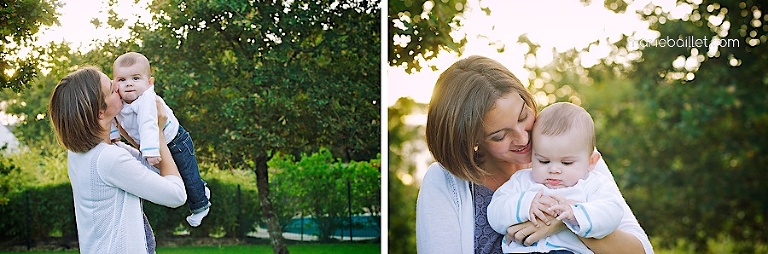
295	248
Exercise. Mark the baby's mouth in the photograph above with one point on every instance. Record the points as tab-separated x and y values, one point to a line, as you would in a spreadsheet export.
554	182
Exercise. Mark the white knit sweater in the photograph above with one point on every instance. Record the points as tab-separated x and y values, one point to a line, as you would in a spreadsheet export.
108	183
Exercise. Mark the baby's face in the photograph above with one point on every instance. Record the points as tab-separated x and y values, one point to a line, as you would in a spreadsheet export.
132	81
559	161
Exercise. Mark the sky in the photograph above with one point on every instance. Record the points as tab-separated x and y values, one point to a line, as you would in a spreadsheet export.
76	28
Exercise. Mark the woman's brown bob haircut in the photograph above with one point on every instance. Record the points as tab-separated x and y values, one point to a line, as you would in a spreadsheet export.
74	108
463	94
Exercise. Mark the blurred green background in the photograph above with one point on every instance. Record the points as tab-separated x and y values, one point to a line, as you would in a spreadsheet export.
684	129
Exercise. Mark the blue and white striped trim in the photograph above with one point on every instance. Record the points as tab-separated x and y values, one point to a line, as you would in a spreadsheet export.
519	204
589	220
555	246
149	149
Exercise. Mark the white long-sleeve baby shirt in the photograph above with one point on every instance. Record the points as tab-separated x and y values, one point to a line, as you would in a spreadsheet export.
139	120
598	210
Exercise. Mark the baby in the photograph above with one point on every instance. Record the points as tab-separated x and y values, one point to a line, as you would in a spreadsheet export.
138	119
564	157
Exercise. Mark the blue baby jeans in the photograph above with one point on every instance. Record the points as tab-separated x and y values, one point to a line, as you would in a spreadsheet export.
183	153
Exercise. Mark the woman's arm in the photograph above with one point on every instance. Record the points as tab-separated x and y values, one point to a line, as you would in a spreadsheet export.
629	237
122	168
166	165
618	240
526	233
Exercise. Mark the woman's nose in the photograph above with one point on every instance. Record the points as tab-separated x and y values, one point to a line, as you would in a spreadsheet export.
520	137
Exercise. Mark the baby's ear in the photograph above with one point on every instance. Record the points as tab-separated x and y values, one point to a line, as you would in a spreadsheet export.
593	160
151	81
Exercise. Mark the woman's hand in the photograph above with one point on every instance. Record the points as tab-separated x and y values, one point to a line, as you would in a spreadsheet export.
527	233
162	117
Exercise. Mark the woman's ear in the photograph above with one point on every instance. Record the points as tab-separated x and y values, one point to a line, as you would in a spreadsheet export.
593	160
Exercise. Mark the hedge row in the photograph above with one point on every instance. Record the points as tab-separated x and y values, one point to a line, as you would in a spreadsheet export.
43	212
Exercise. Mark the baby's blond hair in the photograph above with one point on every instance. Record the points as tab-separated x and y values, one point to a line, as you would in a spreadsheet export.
131	58
561	117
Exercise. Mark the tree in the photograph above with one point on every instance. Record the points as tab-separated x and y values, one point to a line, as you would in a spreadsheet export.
19	22
414	36
252	79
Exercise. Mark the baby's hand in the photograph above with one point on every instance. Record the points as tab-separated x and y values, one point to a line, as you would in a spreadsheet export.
564	209
154	160
539	207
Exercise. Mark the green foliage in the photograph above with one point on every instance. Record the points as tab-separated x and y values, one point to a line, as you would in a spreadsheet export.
37	212
402	210
19	22
414	36
33	166
719	243
319	185
404	141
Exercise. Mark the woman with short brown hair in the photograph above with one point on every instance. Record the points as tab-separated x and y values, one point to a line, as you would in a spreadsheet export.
478	129
109	179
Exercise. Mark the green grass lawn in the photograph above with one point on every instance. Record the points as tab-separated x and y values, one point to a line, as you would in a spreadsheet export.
293	248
